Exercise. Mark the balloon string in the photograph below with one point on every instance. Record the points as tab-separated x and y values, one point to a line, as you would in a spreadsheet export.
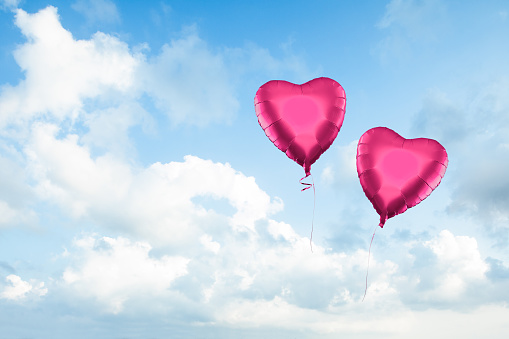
314	205
305	183
367	270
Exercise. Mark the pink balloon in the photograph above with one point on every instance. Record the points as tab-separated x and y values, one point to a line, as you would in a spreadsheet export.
301	120
398	173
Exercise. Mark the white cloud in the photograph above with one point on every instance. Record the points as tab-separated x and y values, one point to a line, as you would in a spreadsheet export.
155	202
220	282
19	289
209	244
234	257
277	313
66	173
16	195
97	11
10	216
61	72
459	263
445	272
9	4
190	82
234	268
113	270
233	260
108	128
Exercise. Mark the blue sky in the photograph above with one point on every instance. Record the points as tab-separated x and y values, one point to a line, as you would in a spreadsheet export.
139	197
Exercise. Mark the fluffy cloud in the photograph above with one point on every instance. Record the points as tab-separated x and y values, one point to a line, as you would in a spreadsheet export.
270	269
233	256
60	72
15	193
65	78
449	272
10	216
173	255
446	270
156	202
229	259
112	270
19	289
269	277
460	257
108	128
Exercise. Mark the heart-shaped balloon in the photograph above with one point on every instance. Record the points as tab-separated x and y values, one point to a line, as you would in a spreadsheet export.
398	173
301	120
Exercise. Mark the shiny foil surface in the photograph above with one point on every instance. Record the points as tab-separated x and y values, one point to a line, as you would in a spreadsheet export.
397	173
301	120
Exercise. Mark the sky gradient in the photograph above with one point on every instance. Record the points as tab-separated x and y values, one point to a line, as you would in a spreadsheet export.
139	197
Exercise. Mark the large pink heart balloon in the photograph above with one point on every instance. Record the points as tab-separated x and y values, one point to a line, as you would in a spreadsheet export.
301	120
398	173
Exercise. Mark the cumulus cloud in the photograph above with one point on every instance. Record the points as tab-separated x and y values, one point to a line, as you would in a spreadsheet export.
108	128
61	72
459	262
234	258
16	195
156	202
65	78
270	269
446	271
18	289
10	216
269	277
113	270
235	266
96	83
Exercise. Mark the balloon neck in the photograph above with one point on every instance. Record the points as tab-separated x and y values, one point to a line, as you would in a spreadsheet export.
307	169
383	219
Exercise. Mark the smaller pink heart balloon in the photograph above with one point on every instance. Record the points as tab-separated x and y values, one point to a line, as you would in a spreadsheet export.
398	173
301	120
